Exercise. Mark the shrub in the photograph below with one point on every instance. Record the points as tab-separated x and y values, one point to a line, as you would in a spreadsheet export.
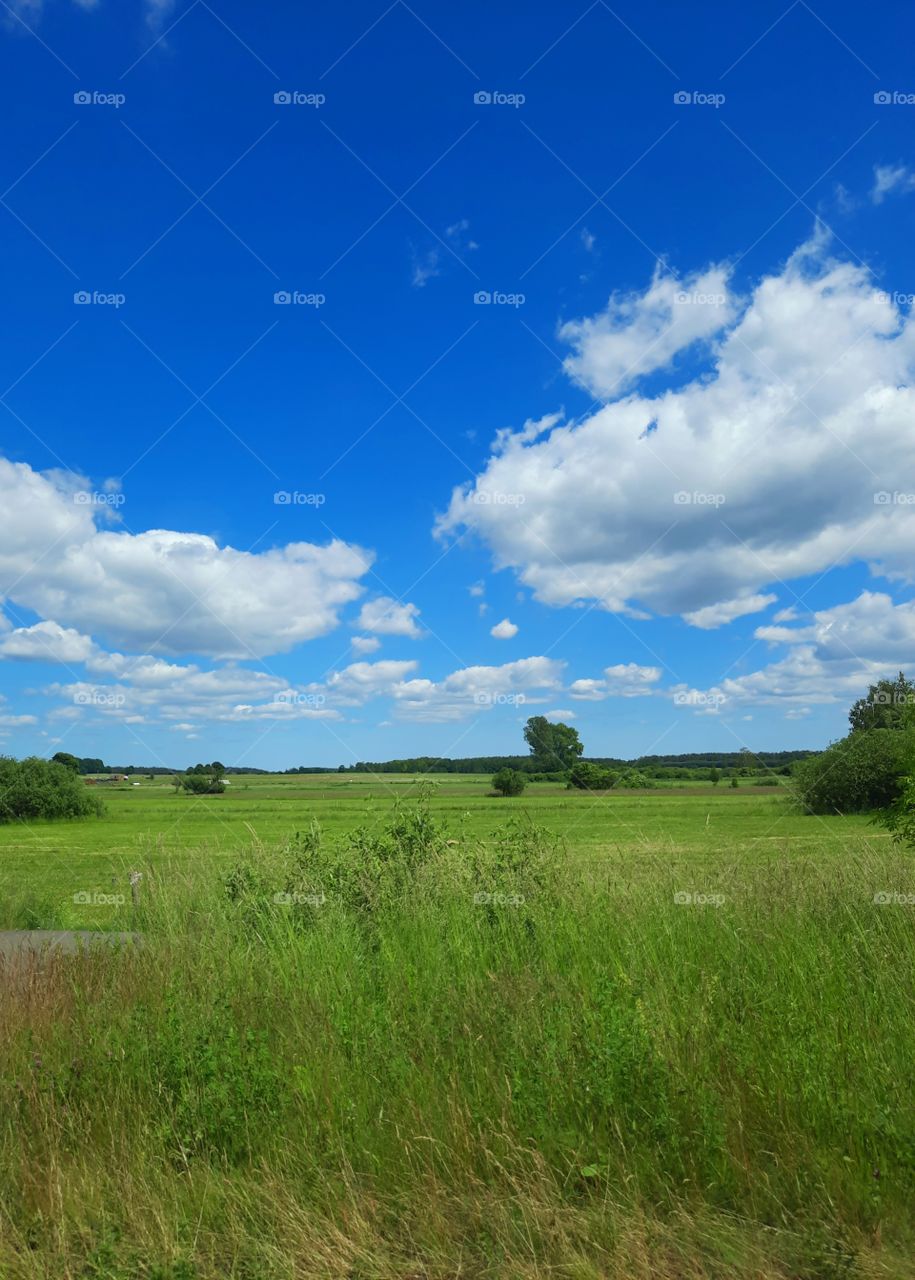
862	772
591	777
199	784
899	818
508	782
36	788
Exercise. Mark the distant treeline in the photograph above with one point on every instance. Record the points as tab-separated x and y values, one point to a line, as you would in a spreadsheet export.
687	765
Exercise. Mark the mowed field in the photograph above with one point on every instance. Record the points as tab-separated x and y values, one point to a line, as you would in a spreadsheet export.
704	828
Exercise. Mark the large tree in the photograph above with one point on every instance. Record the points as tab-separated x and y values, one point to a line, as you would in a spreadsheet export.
890	704
554	747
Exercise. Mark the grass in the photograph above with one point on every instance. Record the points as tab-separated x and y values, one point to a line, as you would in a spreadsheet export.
465	1046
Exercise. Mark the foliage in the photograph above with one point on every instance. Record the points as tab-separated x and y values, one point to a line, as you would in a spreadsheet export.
889	704
203	784
36	788
509	782
861	773
899	817
553	745
591	777
67	760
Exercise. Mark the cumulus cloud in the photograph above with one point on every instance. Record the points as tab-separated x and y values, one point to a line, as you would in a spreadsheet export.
641	332
717	615
389	617
47	642
890	178
624	680
833	658
504	630
786	456
473	689
366	644
164	591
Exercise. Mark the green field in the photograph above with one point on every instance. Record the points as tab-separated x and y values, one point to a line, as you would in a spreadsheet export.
663	1035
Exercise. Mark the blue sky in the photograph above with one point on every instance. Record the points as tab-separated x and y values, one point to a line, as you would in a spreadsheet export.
593	396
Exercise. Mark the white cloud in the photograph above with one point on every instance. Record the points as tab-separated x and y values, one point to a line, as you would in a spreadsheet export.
889	178
717	615
559	714
474	689
624	680
388	617
504	630
791	454
639	333
47	642
366	644
162	590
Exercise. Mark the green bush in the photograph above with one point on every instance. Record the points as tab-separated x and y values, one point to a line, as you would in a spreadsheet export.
508	782
862	772
36	788
200	784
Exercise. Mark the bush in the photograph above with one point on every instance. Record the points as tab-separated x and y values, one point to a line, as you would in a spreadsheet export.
899	818
199	784
508	782
36	788
862	772
591	777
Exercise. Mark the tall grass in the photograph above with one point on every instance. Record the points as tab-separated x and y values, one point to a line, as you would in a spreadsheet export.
417	1055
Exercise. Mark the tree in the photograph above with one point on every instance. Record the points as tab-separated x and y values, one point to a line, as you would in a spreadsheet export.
509	782
889	704
36	788
553	746
68	761
862	772
714	777
591	777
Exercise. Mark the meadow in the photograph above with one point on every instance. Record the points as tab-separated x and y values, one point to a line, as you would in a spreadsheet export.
382	1029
